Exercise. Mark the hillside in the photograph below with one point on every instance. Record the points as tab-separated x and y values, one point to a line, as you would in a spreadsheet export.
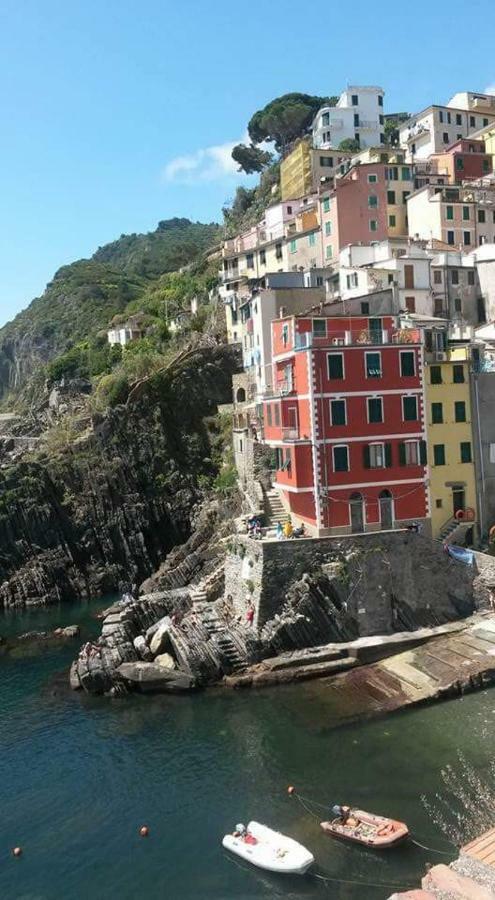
85	295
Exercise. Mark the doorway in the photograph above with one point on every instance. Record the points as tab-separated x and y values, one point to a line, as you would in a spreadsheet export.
386	511
376	330
357	513
458	499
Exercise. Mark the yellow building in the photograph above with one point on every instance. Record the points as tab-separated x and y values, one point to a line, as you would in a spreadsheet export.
487	135
450	441
296	177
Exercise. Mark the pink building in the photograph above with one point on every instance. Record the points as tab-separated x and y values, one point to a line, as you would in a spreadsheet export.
355	210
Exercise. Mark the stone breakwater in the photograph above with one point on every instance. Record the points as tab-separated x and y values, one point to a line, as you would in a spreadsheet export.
303	594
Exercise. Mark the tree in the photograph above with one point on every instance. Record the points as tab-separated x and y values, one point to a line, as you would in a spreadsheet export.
286	118
250	158
351	145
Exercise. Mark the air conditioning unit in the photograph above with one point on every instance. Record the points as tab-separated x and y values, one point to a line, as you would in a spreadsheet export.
338	342
440	356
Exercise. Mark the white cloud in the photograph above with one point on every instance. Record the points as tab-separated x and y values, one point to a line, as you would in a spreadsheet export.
207	164
490	88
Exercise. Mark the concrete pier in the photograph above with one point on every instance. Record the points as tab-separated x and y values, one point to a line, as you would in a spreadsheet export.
470	877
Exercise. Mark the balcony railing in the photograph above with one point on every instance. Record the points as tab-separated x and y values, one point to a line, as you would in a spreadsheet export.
281	388
290	433
367	125
360	336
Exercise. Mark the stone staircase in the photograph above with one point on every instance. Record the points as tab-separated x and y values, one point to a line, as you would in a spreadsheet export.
274	509
208	587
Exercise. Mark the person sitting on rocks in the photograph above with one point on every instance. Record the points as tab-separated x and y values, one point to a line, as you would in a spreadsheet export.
288	529
279	531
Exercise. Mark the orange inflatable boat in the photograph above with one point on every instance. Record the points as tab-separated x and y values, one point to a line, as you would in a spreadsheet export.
366	828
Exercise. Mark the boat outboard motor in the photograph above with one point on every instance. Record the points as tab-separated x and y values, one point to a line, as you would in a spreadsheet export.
337	811
240	828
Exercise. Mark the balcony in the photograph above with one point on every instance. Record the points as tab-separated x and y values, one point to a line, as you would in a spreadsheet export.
281	389
361	336
290	433
367	125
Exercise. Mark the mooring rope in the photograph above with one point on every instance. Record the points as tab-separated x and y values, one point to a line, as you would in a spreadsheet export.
430	849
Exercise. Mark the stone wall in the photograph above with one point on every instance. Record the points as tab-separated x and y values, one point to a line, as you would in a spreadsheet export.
390	579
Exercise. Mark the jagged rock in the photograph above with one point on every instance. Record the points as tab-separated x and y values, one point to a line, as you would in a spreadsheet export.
142	648
70	631
165	660
74	677
149	677
160	637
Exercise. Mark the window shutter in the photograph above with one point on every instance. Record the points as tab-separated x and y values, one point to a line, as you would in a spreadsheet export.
422	453
388	455
402	454
366	457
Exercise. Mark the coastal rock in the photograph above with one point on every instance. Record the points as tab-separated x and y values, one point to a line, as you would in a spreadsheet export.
160	637
74	677
142	648
149	677
70	631
165	660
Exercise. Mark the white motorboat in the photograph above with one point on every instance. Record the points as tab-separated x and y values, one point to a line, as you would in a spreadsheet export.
268	849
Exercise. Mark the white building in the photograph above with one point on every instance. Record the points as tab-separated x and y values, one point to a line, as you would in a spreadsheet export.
433	129
485	265
400	265
358	115
124	334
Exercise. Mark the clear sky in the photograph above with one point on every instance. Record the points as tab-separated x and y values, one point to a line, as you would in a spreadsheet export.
118	113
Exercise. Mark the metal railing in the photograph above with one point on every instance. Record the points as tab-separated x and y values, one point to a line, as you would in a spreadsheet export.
363	336
290	433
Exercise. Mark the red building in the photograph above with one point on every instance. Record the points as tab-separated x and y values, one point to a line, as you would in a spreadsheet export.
462	161
346	421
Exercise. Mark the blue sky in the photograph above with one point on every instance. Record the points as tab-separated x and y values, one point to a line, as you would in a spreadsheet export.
110	108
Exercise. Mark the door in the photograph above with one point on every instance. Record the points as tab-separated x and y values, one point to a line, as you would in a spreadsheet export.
458	499
386	511
408	277
376	330
292	424
356	513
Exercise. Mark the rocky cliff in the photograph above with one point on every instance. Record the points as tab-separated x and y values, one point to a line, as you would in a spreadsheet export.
103	512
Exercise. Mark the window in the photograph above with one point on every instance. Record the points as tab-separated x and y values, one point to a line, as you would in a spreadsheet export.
326	204
436	413
459	163
439	454
481	215
454	276
356	120
409	409
338	412
470	277
262	257
460	411
458	304
376	455
354	99
440	115
293	245
325	119
375	409
373	365
406	173
472	122
445	137
335	363
437	276
250	260
372	179
458	375
466	456
326	162
372	201
328	251
328	228
393	173
276	415
356	137
458	119
320	327
381	119
373	225
450	237
486	165
409	454
285	335
391	197
365	307
390	278
312	239
450	212
391	221
410	304
340	459
405	195
466	215
485	123
407	364
382	138
449	120
268	414
278	251
436	375
466	237
380	99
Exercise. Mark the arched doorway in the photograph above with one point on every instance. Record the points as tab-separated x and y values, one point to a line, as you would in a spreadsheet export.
240	395
386	510
357	512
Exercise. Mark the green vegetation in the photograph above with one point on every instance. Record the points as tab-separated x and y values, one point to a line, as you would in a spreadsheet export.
249	205
286	118
65	329
351	145
250	158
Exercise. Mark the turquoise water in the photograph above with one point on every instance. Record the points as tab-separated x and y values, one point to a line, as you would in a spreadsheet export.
81	775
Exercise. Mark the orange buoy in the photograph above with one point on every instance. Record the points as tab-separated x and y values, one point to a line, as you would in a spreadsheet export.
17	851
144	831
290	789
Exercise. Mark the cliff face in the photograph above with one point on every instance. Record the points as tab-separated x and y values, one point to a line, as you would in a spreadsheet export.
105	511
